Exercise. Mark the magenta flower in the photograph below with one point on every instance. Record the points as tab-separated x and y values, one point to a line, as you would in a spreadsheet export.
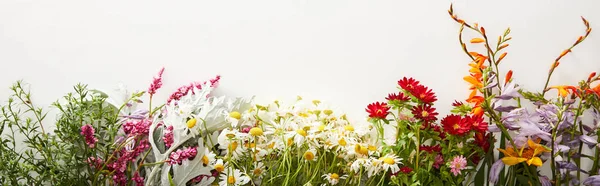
457	164
439	160
178	156
137	127
168	136
87	131
156	83
184	90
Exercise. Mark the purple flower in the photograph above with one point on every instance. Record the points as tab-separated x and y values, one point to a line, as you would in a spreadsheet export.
87	131
592	180
545	181
591	142
509	91
495	171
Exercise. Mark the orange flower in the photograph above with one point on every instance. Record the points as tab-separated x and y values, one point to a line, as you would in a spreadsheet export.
528	155
477	40
473	81
508	76
595	90
563	90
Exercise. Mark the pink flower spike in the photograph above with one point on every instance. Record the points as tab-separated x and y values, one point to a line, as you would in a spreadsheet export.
156	83
87	131
457	164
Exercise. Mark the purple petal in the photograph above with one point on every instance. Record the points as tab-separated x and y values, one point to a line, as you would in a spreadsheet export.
493	128
588	140
587	129
592	180
493	84
505	108
562	148
545	181
495	171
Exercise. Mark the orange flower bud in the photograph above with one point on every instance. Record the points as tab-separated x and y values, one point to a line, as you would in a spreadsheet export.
508	76
482	30
564	53
503	46
477	40
556	63
501	57
579	39
592	75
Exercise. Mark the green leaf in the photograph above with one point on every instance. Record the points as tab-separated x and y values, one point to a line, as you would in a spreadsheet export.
480	175
171	181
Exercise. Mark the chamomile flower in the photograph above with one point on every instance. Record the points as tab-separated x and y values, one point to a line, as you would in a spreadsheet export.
258	170
374	167
391	161
209	157
233	177
310	155
219	166
359	163
334	178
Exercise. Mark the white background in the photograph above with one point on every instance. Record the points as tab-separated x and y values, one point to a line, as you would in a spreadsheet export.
347	53
344	52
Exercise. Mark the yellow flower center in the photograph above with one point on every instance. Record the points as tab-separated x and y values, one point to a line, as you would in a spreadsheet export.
256	131
290	141
235	115
205	159
424	113
271	145
257	171
191	123
328	112
349	128
321	127
335	176
301	132
309	155
316	102
230	180
303	114
317	112
219	167
230	136
361	150
389	160
342	142
233	146
372	148
456	126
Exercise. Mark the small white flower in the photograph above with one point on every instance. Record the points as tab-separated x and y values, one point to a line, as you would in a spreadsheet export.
359	163
233	177
391	161
333	178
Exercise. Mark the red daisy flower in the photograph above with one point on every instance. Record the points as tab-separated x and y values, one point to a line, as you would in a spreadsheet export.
424	94
406	170
378	110
438	129
457	103
478	124
425	113
455	125
431	149
481	140
397	97
408	84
